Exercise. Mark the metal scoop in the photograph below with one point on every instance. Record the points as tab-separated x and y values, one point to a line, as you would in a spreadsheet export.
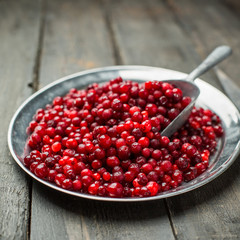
189	88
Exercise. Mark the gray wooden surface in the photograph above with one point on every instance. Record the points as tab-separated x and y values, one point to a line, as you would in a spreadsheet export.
41	41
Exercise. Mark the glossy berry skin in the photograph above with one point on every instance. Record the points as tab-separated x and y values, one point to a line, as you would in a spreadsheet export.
112	161
124	152
106	140
115	190
41	170
56	147
77	185
153	188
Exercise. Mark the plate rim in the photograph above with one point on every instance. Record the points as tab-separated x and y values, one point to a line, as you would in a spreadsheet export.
233	156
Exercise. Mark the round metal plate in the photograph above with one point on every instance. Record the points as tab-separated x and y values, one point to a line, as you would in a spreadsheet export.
210	97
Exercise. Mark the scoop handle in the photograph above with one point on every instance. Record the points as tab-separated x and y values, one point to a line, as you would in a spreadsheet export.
215	57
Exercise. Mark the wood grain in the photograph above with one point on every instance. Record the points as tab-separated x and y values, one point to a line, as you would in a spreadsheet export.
211	212
19	27
65	217
213	24
206	213
77	37
148	34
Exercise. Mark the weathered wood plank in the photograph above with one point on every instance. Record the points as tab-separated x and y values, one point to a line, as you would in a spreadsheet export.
19	28
77	37
67	217
141	29
148	34
233	5
208	212
211	212
213	24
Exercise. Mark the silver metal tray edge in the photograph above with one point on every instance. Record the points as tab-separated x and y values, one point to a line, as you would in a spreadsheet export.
228	147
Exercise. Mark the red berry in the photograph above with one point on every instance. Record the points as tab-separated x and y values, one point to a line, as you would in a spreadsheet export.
77	185
152	187
124	152
115	190
106	139
67	184
93	189
41	170
56	147
146	126
112	161
166	166
144	142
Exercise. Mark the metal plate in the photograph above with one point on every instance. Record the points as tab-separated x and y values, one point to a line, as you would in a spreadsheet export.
210	97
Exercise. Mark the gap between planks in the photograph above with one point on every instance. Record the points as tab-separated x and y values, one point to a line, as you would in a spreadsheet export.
115	47
35	87
37	63
168	209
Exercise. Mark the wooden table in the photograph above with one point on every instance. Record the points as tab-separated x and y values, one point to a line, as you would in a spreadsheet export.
41	41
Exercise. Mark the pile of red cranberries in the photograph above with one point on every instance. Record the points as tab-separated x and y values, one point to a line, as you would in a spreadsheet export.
106	140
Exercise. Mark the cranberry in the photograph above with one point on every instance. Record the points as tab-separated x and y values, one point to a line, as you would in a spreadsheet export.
196	140
67	184
124	152
59	179
153	188
50	162
191	174
99	153
137	133
173	113
87	180
144	142
157	154
51	175
191	151
93	189
130	140
134	167
112	161
41	170
146	126
96	164
117	176
185	101
77	185
116	105
165	186
129	176
166	165
182	163
106	176
144	192
151	109
136	148
142	179
102	191
56	147
115	190
106	140
164	141
218	130
146	152
146	168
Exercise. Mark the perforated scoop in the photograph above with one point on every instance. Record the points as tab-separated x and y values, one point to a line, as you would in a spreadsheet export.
189	88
